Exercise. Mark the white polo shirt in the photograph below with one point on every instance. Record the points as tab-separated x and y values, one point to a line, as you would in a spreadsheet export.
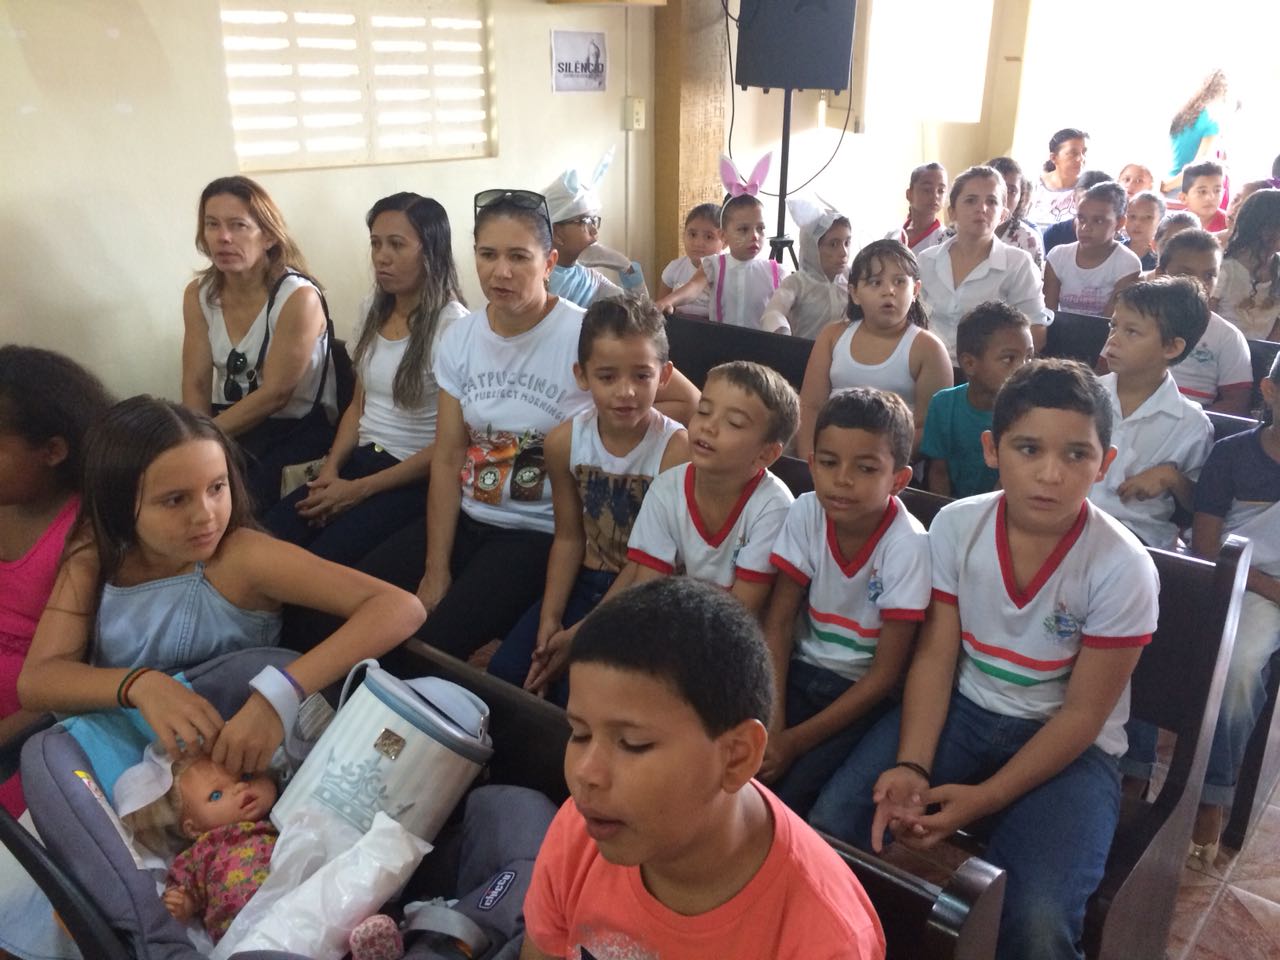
1098	588
850	598
1008	274
1220	359
670	536
1166	428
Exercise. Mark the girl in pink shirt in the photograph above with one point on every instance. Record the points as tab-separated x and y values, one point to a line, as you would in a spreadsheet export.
47	402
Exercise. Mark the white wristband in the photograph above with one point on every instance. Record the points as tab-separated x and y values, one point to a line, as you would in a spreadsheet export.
279	691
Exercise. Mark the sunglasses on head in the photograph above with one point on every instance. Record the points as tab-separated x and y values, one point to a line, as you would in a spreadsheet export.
237	363
524	199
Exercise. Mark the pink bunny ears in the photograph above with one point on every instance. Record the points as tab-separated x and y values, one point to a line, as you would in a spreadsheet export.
735	184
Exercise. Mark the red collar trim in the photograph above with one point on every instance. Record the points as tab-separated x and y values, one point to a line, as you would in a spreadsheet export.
850	567
912	241
1021	598
717	538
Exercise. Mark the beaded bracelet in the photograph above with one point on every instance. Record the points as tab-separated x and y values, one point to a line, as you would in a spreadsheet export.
122	692
915	768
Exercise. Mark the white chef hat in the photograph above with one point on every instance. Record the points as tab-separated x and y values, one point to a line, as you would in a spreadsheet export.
814	216
569	196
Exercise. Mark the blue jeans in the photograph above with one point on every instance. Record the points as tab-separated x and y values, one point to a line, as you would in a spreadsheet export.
1243	697
354	532
513	658
810	690
1053	840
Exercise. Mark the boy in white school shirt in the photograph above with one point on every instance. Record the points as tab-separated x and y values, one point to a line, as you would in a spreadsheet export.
717	517
1217	373
1018	689
1161	437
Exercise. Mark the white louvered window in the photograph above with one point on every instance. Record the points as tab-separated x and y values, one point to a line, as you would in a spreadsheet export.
323	84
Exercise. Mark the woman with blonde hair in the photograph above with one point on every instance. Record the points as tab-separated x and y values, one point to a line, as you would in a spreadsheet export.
257	343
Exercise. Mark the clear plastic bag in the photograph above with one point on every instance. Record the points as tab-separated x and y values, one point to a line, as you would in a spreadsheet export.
325	878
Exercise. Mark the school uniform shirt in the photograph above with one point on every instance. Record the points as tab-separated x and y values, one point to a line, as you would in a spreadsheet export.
612	488
850	598
1219	359
513	391
670	536
1243	304
1240	483
399	431
1087	290
740	289
679	272
932	236
804	903
1098	588
1166	428
1007	274
953	432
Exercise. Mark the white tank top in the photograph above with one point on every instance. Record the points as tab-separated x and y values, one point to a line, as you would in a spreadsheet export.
612	488
401	432
893	375
304	394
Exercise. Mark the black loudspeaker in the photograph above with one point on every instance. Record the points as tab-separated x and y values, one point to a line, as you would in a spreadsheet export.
801	44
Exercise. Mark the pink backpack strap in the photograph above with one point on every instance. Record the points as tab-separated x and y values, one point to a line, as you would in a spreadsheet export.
720	291
773	267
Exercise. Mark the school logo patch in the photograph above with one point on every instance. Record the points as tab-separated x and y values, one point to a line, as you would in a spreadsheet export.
496	890
875	585
1201	354
1062	626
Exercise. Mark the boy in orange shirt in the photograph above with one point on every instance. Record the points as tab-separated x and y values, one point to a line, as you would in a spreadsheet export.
668	848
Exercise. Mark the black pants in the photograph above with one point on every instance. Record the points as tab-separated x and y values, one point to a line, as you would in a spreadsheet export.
352	534
276	443
497	574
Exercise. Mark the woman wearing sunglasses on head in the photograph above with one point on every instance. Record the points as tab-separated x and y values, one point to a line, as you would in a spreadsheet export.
506	379
373	482
257	342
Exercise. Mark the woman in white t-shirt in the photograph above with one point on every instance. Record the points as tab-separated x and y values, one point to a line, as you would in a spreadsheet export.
506	378
256	342
374	479
1053	198
973	266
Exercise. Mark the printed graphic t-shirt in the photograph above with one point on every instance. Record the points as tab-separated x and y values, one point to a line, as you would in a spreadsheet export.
804	903
513	391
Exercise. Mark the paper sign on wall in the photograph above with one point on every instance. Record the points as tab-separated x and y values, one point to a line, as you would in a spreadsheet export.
579	61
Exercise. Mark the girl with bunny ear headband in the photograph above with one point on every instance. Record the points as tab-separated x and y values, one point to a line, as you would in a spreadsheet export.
740	284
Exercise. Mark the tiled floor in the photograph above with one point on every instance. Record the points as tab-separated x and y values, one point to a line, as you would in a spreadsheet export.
1231	911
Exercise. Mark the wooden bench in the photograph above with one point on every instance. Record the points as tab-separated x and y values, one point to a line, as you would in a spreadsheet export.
699	345
1076	336
1227	424
921	921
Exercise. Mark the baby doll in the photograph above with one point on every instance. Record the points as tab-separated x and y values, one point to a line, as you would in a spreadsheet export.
232	840
225	818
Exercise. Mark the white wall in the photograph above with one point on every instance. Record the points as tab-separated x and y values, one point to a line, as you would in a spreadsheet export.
1158	58
113	116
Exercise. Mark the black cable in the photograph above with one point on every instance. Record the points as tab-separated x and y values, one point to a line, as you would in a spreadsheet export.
728	46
